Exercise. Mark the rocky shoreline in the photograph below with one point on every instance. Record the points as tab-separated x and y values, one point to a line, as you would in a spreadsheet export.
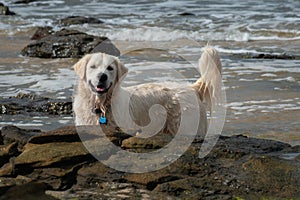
56	165
32	104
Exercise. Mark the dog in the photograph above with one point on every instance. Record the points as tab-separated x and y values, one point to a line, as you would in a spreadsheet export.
101	100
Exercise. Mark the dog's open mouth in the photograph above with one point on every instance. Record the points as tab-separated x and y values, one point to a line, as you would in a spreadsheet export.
100	88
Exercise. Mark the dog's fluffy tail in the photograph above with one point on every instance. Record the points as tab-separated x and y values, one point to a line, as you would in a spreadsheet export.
209	85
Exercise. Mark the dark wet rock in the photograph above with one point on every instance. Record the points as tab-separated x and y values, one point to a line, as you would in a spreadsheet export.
65	134
12	134
24	1
42	32
274	56
31	104
7	151
237	166
69	43
57	178
1	139
282	56
4	10
79	20
187	14
8	182
27	191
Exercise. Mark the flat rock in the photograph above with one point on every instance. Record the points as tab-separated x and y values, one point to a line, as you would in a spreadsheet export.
43	155
237	166
71	20
64	134
69	44
12	134
143	144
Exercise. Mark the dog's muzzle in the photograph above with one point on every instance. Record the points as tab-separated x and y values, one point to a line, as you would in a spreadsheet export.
102	85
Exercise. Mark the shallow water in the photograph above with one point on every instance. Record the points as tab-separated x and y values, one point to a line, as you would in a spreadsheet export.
262	95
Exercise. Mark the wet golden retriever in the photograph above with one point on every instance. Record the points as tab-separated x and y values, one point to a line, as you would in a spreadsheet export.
150	107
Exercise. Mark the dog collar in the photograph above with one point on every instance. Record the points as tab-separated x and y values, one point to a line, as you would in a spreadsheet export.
101	113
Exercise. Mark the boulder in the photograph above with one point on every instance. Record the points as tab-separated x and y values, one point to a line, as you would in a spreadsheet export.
71	20
69	44
42	32
4	10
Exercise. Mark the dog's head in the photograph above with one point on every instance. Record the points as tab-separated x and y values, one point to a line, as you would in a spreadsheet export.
100	71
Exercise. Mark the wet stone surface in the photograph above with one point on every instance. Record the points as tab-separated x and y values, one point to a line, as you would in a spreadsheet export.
30	103
58	163
78	20
69	44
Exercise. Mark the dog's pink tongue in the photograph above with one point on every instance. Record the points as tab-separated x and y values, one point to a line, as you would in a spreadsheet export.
99	89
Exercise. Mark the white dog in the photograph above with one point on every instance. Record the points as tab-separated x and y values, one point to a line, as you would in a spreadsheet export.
152	107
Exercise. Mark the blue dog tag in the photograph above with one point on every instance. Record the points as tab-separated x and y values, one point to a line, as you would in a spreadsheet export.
102	120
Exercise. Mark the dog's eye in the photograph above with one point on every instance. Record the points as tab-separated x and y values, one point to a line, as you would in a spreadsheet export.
93	66
110	68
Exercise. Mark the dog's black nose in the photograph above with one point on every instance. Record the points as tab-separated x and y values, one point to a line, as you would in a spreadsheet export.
103	78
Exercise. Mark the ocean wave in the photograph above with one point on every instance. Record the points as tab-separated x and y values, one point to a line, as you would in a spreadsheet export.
166	34
170	34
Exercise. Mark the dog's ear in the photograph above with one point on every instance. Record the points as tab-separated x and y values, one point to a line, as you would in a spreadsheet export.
80	66
121	70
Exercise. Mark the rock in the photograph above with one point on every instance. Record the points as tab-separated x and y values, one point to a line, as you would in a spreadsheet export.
89	175
1	138
44	155
4	10
12	134
79	20
274	56
29	103
8	151
64	134
238	166
42	32
24	1
27	191
69	43
269	175
186	14
283	56
7	182
143	144
56	178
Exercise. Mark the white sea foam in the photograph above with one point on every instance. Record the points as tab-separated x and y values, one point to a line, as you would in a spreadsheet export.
289	79
265	106
269	75
168	34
